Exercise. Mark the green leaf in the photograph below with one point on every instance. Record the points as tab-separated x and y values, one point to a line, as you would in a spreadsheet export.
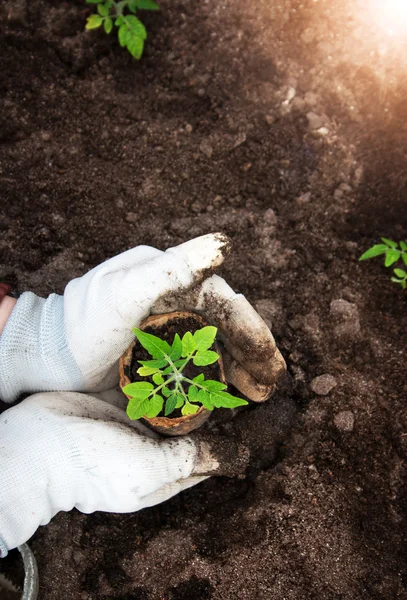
374	251
93	1
199	378
108	25
204	398
146	371
93	22
155	406
180	401
192	393
122	35
188	344
119	21
392	256
140	389
400	273
205	358
404	257
205	337
403	245
176	348
135	46
166	391
171	404
158	378
214	386
156	347
404	284
189	409
225	400
136	27
159	364
389	243
136	408
146	5
103	10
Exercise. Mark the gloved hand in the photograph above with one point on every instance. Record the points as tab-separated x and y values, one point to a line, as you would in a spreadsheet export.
64	449
74	341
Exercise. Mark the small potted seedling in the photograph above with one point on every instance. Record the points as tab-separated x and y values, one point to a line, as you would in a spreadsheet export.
172	374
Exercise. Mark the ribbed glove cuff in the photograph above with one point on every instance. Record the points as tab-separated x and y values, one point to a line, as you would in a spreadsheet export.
34	354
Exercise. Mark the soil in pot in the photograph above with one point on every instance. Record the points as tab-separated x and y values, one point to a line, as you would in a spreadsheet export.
165	327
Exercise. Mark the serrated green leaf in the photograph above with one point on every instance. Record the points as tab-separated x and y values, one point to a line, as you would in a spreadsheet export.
170	404
136	408
176	348
392	256
389	243
159	364
103	10
158	378
205	337
180	402
226	400
146	371
179	363
201	359
374	251
136	27
146	5
199	378
192	393
155	406
122	36
158	349
189	409
188	344
93	22
140	389
205	399
214	386
135	46
400	273
403	245
108	25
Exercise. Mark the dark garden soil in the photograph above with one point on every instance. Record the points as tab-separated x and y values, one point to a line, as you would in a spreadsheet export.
284	125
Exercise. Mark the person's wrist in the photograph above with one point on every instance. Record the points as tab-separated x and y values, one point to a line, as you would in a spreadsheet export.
7	303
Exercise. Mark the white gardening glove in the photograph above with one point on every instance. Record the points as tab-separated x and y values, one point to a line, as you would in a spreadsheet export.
64	449
73	342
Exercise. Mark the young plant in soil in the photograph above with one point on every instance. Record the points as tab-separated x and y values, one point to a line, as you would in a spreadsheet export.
169	387
131	31
393	252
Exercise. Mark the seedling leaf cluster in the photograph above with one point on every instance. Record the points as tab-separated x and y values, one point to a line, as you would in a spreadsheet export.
130	30
170	388
393	252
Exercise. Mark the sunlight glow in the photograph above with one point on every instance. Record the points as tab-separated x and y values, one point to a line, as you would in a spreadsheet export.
391	15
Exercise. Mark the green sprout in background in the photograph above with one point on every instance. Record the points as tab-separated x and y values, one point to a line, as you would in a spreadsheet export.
131	31
166	369
393	252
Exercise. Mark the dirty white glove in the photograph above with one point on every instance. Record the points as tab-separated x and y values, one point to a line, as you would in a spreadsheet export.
64	449
74	342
